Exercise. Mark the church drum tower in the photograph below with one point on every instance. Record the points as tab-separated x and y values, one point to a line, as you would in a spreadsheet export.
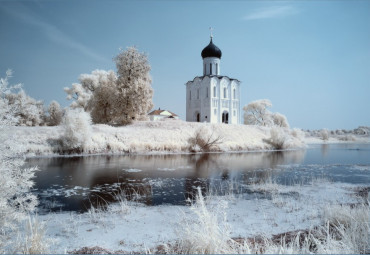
212	97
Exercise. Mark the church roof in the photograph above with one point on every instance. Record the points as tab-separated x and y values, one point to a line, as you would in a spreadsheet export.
211	51
213	76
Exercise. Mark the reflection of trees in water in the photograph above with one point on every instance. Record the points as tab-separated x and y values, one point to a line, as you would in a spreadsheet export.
324	149
188	171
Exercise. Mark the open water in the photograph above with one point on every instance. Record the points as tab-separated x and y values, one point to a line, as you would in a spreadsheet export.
77	183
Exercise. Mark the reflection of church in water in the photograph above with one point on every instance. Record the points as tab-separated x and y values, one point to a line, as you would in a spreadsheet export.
212	97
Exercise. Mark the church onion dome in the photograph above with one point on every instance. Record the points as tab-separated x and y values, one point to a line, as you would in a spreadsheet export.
211	51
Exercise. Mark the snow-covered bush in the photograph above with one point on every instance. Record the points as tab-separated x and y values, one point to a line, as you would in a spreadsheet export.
16	201
277	139
77	130
55	114
298	133
324	134
205	139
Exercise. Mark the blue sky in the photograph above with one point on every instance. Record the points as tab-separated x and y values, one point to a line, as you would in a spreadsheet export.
310	58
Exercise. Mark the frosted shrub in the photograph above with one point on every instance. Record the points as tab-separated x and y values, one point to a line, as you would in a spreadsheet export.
324	134
347	138
277	138
298	133
204	140
77	130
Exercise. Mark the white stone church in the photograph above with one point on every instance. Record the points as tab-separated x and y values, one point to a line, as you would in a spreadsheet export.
213	97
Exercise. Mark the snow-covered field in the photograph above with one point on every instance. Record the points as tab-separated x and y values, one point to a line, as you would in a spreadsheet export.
132	227
173	136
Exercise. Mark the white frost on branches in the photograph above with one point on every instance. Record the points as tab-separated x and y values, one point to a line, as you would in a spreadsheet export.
81	93
134	86
77	129
116	98
256	113
29	111
15	200
55	114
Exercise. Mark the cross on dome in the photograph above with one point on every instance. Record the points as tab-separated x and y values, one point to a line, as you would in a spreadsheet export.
210	30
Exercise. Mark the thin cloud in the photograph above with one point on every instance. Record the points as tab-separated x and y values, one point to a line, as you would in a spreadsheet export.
272	12
52	32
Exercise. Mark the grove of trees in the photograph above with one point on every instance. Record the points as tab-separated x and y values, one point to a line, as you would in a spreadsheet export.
116	98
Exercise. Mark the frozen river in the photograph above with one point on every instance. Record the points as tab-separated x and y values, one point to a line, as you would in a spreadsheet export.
76	183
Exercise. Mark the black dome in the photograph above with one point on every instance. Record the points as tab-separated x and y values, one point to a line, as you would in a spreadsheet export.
211	51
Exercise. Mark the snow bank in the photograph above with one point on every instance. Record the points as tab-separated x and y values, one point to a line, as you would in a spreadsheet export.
173	136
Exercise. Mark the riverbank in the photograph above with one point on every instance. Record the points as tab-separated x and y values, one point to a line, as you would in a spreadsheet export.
147	137
127	227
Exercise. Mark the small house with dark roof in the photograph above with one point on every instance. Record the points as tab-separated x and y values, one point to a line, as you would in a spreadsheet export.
213	97
162	115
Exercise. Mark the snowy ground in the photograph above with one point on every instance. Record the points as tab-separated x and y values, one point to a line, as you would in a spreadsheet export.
152	137
129	226
337	139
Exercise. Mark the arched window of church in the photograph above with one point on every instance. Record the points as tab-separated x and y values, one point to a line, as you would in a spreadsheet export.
190	95
225	93
197	93
214	91
216	68
204	69
206	92
210	68
234	94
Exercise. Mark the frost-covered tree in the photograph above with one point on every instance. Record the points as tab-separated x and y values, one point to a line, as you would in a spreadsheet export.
102	101
116	98
29	111
256	113
82	92
280	120
55	114
16	201
77	130
134	86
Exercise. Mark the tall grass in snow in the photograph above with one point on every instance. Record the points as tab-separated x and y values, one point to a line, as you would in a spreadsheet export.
32	240
344	229
205	232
